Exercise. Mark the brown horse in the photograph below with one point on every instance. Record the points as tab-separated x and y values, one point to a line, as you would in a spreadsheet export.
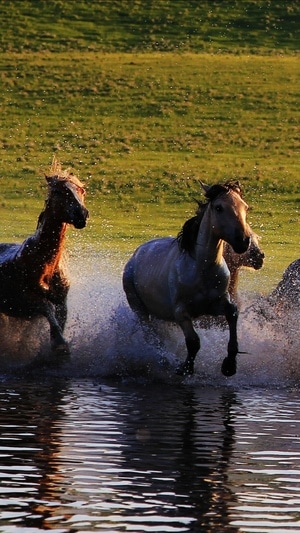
253	258
32	279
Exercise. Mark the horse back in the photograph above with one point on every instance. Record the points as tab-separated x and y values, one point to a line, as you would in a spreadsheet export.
153	260
146	277
8	252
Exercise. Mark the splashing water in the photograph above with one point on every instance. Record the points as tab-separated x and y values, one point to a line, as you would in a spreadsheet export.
107	339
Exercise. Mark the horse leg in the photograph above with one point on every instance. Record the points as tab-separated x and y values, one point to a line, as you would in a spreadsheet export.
192	342
58	343
132	296
58	292
61	312
229	363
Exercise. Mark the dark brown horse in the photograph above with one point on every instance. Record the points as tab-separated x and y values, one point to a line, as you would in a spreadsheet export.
32	278
252	259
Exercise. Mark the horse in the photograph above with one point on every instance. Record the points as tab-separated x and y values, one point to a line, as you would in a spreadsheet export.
253	258
33	281
179	279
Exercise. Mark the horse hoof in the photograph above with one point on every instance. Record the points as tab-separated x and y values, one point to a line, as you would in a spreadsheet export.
228	367
62	349
185	370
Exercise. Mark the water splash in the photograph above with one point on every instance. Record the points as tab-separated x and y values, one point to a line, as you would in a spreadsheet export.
107	340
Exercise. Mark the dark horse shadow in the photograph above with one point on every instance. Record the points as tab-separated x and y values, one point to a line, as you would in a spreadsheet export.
33	279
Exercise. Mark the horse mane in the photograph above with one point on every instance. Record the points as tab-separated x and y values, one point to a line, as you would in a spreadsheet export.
187	236
58	174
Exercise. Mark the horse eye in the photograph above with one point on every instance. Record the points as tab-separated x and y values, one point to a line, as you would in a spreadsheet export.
219	208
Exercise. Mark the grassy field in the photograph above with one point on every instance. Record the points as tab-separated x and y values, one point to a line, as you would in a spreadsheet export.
145	99
251	26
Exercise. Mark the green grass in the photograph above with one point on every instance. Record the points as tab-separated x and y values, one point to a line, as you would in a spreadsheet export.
154	25
120	92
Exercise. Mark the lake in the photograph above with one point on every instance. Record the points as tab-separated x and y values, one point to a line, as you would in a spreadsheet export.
114	440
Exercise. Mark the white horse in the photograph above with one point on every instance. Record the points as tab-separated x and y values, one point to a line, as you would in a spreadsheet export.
179	279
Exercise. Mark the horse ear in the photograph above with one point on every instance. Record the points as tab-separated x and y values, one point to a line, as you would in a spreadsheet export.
51	180
237	186
204	187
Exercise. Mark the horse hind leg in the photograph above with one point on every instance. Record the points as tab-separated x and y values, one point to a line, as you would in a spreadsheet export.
134	300
192	342
229	363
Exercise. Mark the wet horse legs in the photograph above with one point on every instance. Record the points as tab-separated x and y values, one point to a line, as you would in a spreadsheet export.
192	342
58	343
229	363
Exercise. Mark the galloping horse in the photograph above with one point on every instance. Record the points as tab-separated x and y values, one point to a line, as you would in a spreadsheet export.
179	279
32	279
253	258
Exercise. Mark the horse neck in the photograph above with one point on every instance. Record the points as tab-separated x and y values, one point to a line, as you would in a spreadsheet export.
49	238
209	247
45	247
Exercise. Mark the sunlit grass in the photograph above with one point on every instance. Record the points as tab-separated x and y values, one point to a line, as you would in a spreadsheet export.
142	127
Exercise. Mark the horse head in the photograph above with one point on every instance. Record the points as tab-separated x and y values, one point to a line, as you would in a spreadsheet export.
66	197
252	258
228	214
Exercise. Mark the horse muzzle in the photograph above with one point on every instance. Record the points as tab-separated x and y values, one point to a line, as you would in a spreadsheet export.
241	245
257	260
79	221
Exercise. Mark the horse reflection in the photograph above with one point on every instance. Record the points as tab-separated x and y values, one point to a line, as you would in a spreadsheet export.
180	456
33	280
31	420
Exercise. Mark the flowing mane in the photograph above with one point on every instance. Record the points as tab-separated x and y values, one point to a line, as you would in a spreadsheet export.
64	175
58	176
187	236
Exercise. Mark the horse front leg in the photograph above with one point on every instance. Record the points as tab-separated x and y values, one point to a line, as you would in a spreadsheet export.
61	313
58	292
192	342
229	363
58	344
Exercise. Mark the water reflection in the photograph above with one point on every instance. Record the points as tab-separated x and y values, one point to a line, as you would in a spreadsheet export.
184	449
31	425
80	456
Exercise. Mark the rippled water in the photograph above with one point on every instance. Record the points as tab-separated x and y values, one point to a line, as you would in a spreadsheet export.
77	455
113	440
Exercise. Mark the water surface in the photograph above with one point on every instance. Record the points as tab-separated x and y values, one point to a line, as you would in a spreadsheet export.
77	455
114	440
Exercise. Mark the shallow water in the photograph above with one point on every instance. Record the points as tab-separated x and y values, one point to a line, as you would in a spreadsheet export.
77	455
113	440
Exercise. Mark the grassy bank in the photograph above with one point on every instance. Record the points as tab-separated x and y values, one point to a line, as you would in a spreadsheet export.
147	127
248	26
125	98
